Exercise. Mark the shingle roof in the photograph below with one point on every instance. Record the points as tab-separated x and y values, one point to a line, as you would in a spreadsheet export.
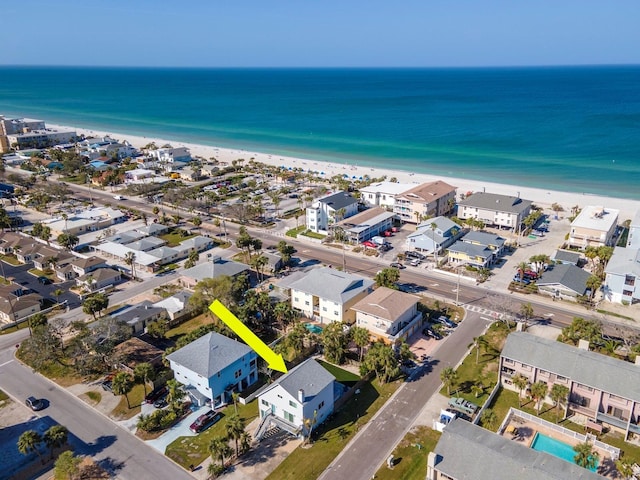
443	224
588	368
466	451
309	376
484	238
569	276
427	191
500	203
209	354
338	200
87	262
386	303
566	256
146	244
366	219
100	274
138	313
471	250
215	269
332	284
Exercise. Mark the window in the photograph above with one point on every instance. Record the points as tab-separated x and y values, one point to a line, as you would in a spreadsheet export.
508	361
264	402
238	373
336	313
627	293
295	299
562	379
584	387
306	303
293	404
629	280
321	405
288	417
324	309
617	399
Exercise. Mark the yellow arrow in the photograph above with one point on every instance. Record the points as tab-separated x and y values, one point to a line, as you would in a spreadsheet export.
274	360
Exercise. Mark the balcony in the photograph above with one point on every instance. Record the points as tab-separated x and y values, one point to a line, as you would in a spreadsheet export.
615	421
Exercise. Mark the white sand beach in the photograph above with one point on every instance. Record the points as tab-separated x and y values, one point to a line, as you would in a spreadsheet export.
542	198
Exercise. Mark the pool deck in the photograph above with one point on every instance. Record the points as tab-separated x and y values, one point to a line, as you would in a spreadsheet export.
525	431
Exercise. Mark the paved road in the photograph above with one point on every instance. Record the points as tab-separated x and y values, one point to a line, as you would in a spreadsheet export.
370	448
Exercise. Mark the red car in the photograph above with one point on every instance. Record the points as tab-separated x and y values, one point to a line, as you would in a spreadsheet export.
204	421
369	244
387	233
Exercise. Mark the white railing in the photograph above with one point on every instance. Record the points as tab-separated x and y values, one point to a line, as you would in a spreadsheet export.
613	451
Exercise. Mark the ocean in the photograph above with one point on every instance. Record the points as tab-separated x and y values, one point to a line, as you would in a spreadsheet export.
559	128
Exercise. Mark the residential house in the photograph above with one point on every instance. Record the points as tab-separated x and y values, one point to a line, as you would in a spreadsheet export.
633	239
138	174
152	229
298	401
428	239
467	451
383	194
143	261
215	268
602	389
493	242
44	257
198	243
423	201
169	154
15	305
177	306
140	315
327	295
465	253
594	226
9	239
86	221
500	210
322	213
566	257
622	281
563	281
274	261
84	265
367	224
98	279
190	174
214	366
146	244
210	170
389	315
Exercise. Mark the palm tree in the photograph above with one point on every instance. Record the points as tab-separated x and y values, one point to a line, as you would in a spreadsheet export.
29	442
130	260
122	384
520	382
56	293
143	372
235	428
585	455
477	389
234	398
625	468
526	312
559	394
478	343
522	267
448	377
309	423
489	419
55	437
593	284
175	391
361	338
219	448
538	392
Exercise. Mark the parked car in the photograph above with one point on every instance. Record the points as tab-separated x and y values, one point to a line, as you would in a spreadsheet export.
412	254
118	197
204	421
519	279
415	262
530	274
446	321
106	386
387	233
156	393
161	402
397	265
384	247
369	244
430	333
34	403
45	280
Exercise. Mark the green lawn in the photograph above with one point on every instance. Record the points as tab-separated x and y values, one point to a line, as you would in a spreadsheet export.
485	371
10	259
136	397
333	436
294	232
189	326
410	455
194	450
310	234
342	376
174	237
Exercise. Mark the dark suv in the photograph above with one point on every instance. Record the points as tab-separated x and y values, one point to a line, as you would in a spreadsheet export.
156	394
412	254
204	421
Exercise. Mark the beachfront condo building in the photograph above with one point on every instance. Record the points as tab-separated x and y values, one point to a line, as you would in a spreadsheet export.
622	281
633	239
502	211
328	210
595	226
383	194
365	225
12	126
425	201
602	389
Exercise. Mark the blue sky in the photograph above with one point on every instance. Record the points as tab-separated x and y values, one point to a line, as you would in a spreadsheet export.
280	33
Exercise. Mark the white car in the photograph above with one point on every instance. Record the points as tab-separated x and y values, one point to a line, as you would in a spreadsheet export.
118	197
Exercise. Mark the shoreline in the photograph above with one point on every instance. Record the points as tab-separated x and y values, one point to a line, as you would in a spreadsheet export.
541	197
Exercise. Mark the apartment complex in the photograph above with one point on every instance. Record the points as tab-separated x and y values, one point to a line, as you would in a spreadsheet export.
326	210
622	281
493	209
424	201
594	226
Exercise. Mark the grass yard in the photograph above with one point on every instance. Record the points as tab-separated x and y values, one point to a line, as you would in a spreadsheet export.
194	450
294	232
189	326
410	455
136	397
333	436
343	376
95	397
484	371
10	259
175	236
317	236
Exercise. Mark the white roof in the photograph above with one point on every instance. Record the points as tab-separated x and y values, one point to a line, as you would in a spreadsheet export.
392	188
596	218
120	251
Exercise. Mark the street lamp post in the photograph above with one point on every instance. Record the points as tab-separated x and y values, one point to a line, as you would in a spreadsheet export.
458	284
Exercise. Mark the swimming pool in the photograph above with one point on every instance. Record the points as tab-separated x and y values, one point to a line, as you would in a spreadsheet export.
313	328
554	447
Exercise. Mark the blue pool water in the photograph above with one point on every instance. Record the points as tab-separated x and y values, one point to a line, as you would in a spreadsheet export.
313	328
554	447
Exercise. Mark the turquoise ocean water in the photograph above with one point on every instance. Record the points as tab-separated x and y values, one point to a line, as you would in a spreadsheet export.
569	129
